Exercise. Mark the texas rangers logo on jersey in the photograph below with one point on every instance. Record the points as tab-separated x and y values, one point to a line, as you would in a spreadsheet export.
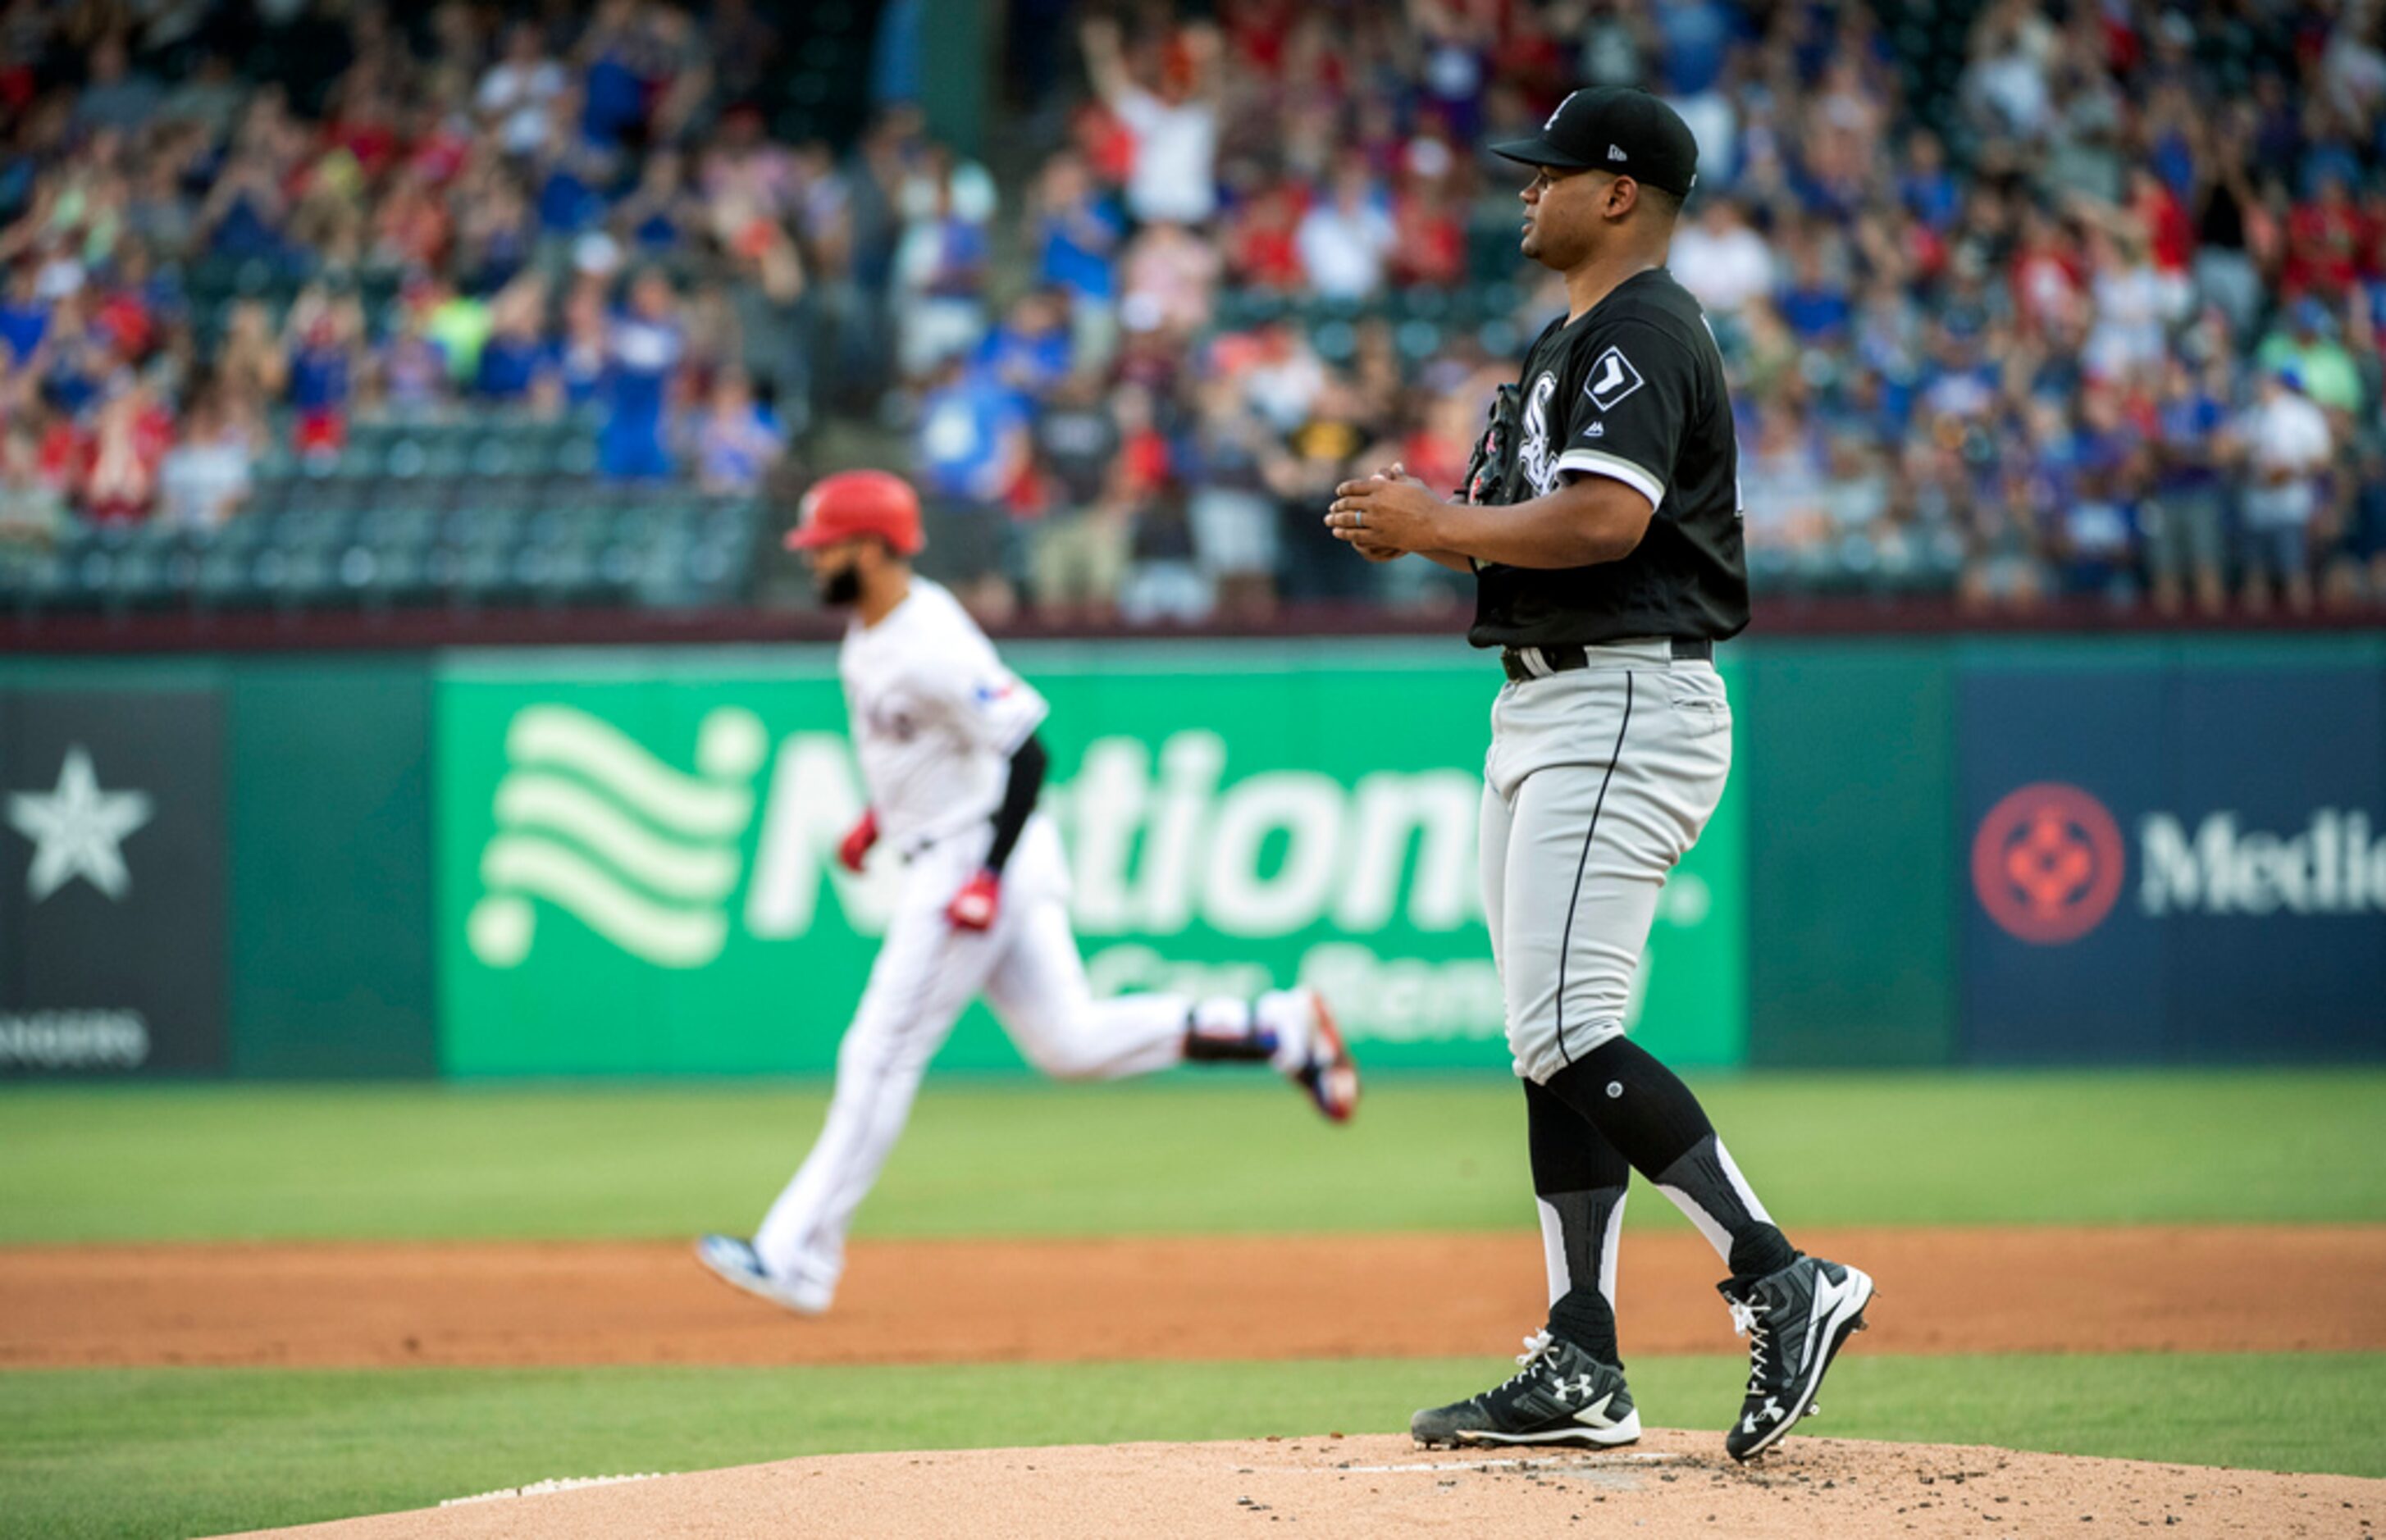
1612	378
890	718
1541	466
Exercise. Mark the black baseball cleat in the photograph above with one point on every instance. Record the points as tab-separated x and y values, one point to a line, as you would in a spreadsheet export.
1558	1395
1795	1321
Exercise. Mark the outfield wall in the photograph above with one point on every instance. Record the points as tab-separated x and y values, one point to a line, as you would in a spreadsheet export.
1940	851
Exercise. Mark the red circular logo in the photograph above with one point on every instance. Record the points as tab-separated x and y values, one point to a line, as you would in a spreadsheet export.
2047	863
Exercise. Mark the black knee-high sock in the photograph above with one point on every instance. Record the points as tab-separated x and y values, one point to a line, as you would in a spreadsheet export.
1645	1111
1581	1179
1226	1032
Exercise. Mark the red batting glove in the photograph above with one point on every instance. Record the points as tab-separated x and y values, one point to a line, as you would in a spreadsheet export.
972	908
856	845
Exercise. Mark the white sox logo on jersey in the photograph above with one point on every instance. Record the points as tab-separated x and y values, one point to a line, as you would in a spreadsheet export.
1539	465
1612	378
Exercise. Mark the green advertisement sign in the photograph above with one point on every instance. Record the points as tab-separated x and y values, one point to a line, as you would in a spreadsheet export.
636	869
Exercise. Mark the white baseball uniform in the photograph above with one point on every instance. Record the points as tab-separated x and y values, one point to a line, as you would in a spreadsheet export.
936	717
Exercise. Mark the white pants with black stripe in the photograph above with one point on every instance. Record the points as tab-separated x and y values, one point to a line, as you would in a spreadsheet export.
1599	781
927	973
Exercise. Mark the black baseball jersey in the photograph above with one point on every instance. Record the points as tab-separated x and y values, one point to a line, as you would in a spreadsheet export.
1631	389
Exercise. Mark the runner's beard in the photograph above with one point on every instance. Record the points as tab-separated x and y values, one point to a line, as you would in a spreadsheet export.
840	588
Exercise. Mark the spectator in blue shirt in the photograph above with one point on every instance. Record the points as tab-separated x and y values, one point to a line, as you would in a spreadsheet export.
738	439
2187	536
972	438
24	316
74	356
1078	231
326	340
244	211
614	89
660	212
517	353
1698	38
971	449
1924	186
1029	351
643	348
1815	304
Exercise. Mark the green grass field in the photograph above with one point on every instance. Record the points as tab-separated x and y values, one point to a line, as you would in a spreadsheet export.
1187	1154
165	1451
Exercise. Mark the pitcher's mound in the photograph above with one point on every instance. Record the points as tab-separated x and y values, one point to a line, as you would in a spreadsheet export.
1670	1485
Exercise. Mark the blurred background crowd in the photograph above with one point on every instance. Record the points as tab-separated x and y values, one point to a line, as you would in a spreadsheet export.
2025	302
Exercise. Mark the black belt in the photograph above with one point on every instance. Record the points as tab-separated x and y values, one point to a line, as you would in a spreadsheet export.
1560	659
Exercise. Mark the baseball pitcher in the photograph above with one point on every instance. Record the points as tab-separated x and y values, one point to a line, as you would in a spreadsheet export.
947	739
1602	522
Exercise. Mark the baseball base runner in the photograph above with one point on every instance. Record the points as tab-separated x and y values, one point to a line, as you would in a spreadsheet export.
1602	521
946	738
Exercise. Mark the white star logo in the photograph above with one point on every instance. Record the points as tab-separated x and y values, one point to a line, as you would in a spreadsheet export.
78	830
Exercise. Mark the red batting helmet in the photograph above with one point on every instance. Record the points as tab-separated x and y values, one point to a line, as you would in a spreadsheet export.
853	504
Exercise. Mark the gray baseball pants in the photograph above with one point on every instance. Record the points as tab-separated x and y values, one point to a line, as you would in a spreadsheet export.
1599	781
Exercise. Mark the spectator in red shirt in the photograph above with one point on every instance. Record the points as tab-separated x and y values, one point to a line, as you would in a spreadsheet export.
1107	143
2324	239
412	226
2370	261
2047	281
129	443
1436	449
2171	239
1430	235
366	126
123	314
441	143
1262	253
62	452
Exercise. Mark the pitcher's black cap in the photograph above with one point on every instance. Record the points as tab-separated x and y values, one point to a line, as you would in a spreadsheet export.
1614	128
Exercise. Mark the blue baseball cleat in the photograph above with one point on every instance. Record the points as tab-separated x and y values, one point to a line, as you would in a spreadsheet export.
734	1261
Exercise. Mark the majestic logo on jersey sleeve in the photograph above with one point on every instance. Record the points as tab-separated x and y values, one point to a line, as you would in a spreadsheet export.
1612	378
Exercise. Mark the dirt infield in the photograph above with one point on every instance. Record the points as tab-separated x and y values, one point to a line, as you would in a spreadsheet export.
1946	1291
1673	1484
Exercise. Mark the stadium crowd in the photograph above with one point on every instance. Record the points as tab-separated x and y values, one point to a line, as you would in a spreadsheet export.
2102	318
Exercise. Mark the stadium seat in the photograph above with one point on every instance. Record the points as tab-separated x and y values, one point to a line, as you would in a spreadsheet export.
35	582
1499	338
497	454
1337	342
225	579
